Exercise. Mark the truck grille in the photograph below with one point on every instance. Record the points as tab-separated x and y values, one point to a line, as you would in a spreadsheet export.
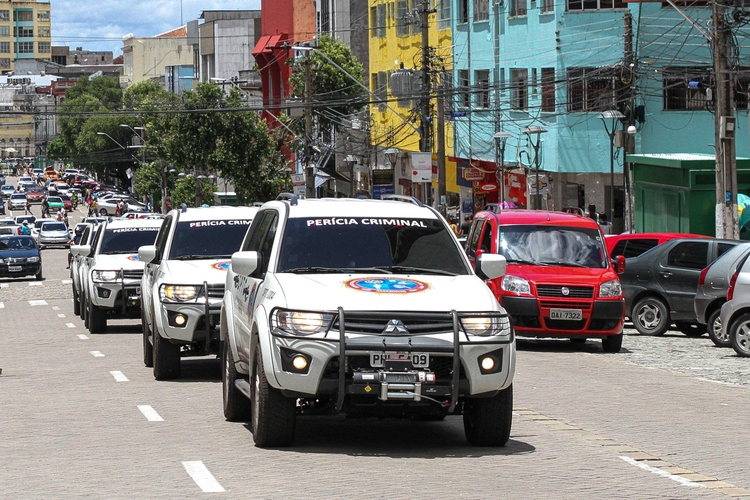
377	323
216	291
132	274
574	292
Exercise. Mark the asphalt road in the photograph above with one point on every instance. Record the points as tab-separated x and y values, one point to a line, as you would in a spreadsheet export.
81	417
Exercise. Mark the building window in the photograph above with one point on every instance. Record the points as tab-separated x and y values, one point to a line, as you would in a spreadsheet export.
446	78
4	31
402	18
481	10
377	21
23	31
43	47
482	81
5	47
742	88
24	47
680	94
592	89
519	84
4	62
547	6
548	90
534	80
463	11
595	4
42	32
444	15
464	97
24	15
517	8
42	15
380	89
4	15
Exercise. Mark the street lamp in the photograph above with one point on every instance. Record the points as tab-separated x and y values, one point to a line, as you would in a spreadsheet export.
537	131
113	140
351	160
611	118
500	139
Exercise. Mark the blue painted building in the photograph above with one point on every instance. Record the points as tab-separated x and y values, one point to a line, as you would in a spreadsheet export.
558	65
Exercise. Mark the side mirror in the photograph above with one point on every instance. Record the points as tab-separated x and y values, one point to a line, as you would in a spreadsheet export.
245	263
147	253
490	265
620	264
82	250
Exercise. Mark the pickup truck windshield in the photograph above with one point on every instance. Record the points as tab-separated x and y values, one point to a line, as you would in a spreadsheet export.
351	243
554	246
208	239
127	239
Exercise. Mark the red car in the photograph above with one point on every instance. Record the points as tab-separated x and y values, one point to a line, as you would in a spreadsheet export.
67	202
559	280
634	244
35	194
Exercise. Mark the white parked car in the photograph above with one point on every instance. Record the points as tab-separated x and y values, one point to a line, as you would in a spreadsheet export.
365	307
6	190
112	277
53	234
183	284
108	206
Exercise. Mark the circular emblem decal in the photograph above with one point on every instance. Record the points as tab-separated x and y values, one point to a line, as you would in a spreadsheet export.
565	291
387	285
221	266
133	257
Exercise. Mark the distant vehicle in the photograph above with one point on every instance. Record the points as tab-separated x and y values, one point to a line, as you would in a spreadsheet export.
53	233
660	284
7	222
735	313
94	220
67	202
19	256
109	206
28	218
6	190
50	173
35	194
17	201
37	225
633	244
55	202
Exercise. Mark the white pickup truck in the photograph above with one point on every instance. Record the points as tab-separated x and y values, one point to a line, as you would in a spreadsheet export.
111	273
364	307
183	284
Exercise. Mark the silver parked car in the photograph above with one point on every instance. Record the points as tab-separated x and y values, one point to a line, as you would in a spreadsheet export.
17	201
735	313
713	284
53	233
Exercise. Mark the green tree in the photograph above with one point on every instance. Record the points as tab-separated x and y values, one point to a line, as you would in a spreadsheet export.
104	89
184	191
147	179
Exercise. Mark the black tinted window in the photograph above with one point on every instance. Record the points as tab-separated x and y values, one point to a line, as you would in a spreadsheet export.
633	248
361	242
689	254
127	239
208	239
723	247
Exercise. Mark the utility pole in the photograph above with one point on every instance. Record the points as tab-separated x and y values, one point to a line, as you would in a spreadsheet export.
629	139
424	104
727	225
309	165
442	189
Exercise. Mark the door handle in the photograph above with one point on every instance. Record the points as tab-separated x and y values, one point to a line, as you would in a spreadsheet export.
665	274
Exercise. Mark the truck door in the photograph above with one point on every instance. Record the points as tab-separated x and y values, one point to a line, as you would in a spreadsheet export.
149	287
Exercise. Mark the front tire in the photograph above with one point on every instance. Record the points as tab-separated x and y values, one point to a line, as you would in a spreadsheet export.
691	329
166	358
612	344
487	421
39	276
148	348
237	407
76	302
719	337
273	415
97	319
739	335
103	212
650	316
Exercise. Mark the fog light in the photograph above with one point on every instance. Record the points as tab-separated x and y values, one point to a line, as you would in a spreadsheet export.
103	293
299	363
180	320
488	363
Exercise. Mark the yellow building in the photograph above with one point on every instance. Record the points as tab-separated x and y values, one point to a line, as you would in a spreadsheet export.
25	32
396	47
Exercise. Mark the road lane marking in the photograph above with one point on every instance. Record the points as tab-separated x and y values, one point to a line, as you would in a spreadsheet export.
82	336
2	305
4	285
67	282
119	376
36	283
33	303
202	477
150	414
70	325
60	315
97	354
55	308
683	481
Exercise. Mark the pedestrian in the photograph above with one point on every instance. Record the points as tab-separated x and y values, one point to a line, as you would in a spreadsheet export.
454	227
25	229
75	240
118	208
45	207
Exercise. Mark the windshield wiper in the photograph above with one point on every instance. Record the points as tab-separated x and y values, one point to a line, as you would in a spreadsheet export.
416	270
529	262
563	264
120	252
335	270
196	256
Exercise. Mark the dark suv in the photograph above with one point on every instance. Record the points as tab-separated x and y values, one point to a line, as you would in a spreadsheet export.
660	285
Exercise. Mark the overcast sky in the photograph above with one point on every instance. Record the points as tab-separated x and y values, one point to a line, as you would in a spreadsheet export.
101	25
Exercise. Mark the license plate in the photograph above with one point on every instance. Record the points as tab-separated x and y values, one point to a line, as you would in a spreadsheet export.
418	359
15	269
566	314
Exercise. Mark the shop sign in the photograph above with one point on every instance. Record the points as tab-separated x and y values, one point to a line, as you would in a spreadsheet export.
473	174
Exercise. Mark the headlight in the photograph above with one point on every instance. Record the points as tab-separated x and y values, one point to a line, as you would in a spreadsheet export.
179	293
97	275
301	322
30	259
610	289
515	284
486	326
